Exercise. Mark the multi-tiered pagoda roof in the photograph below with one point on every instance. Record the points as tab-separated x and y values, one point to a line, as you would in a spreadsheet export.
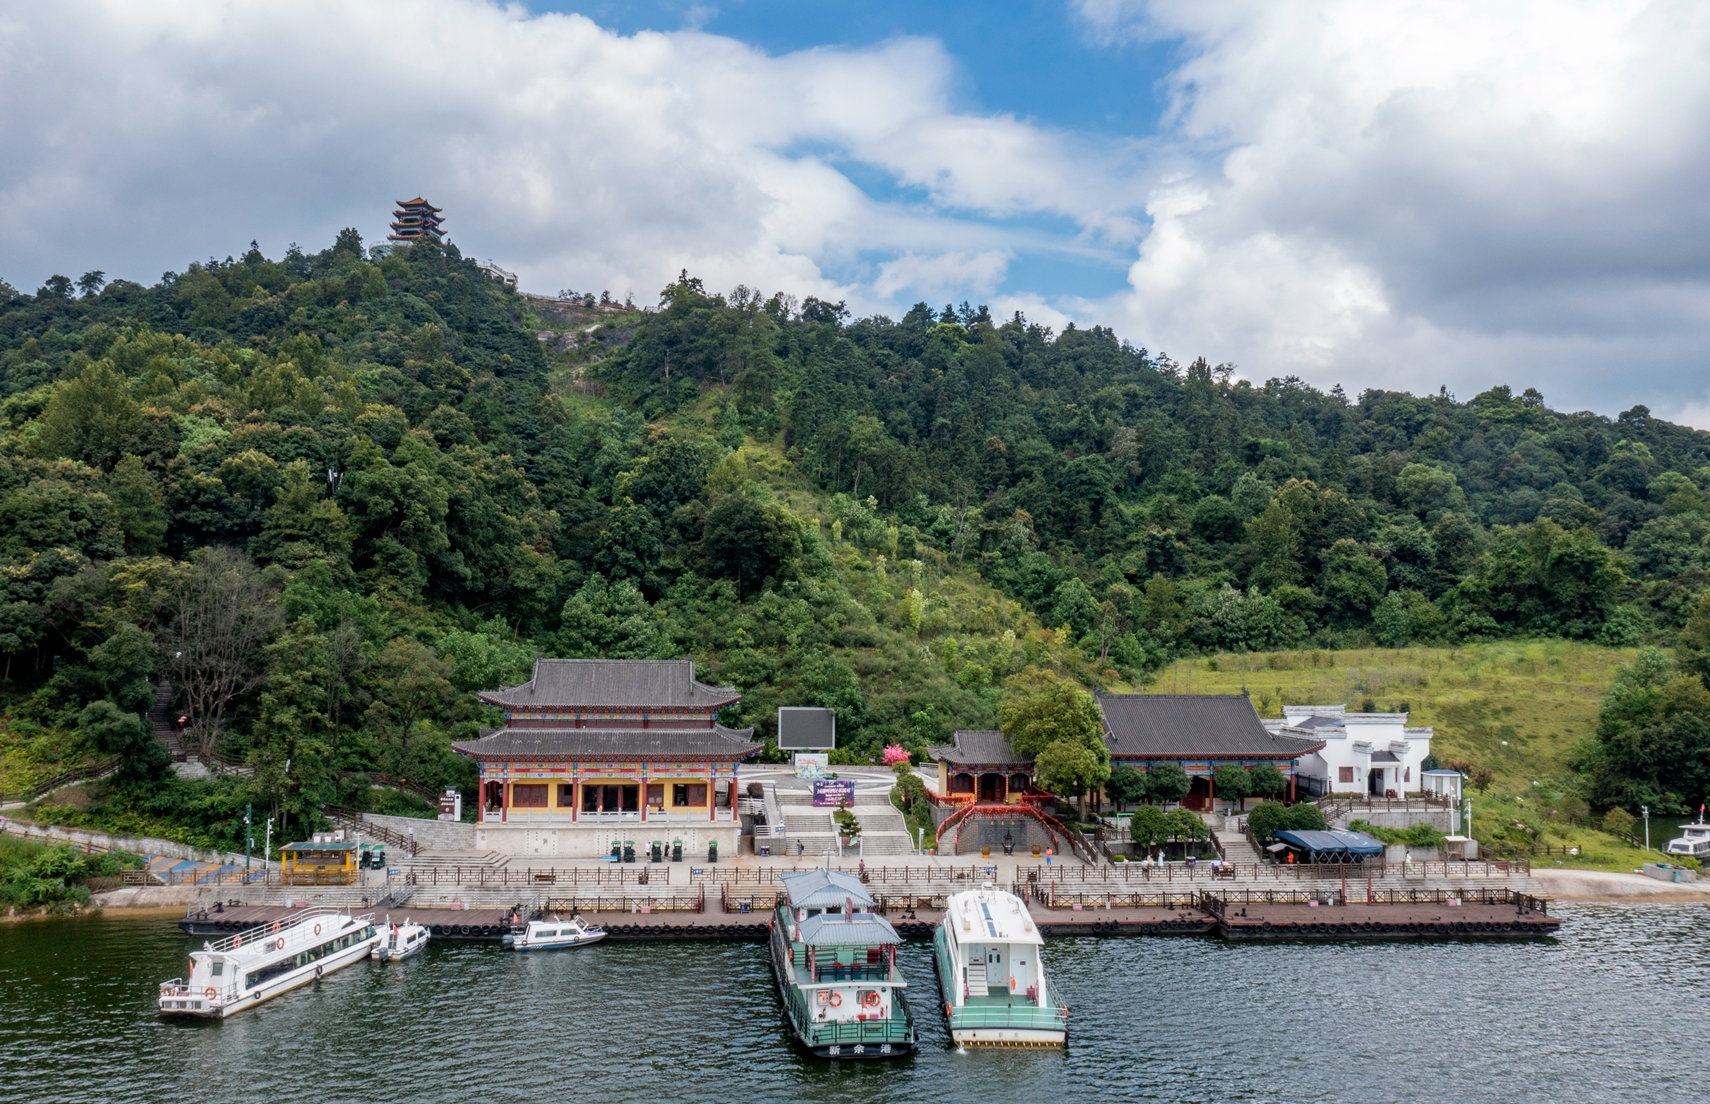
415	218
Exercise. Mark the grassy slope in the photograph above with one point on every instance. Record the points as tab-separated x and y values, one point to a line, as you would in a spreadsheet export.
1515	707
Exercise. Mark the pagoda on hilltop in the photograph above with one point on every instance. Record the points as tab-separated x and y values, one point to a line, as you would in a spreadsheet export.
415	218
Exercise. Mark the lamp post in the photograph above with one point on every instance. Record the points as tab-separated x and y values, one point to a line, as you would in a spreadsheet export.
1645	810
248	840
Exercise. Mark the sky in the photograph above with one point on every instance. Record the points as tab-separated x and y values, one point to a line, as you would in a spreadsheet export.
1400	195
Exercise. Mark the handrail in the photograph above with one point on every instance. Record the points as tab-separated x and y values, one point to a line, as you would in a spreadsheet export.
297	919
91	772
354	818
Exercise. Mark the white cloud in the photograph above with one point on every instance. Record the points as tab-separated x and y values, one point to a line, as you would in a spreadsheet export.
1458	192
945	274
140	136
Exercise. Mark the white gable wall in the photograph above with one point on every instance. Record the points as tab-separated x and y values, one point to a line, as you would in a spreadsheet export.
1350	740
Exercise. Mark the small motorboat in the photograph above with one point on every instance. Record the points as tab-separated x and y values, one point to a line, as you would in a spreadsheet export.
400	941
554	934
1693	841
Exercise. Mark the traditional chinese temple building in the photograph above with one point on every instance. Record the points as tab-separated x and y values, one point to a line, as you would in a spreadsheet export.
981	763
1199	733
597	751
415	218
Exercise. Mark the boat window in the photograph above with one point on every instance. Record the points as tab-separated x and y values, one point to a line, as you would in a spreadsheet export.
217	968
545	934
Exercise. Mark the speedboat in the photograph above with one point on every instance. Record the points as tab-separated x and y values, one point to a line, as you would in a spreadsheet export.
252	966
401	941
991	969
554	934
1693	841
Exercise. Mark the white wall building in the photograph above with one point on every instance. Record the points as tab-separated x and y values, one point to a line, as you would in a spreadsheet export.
1365	753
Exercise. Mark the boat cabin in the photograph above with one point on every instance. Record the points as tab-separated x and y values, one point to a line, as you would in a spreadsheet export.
843	957
317	862
996	948
1693	841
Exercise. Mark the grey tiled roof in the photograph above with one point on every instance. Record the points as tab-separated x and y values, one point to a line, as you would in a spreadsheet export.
862	929
976	747
1192	726
824	889
605	683
569	743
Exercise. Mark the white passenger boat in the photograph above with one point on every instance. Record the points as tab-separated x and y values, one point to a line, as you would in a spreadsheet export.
1693	841
552	935
991	970
243	970
400	941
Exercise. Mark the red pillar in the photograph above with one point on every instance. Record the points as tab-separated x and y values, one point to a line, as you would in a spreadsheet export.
505	801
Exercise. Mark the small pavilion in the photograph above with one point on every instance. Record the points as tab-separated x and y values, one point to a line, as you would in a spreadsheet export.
981	764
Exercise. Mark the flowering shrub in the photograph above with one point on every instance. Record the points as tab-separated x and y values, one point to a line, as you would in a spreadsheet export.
894	754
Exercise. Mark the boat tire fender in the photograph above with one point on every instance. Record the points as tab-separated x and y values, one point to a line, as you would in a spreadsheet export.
318	969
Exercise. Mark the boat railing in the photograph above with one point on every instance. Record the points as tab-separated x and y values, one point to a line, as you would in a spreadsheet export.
298	918
835	972
1020	1016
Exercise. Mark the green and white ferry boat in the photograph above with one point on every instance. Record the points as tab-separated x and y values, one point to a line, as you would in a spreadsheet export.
835	962
991	970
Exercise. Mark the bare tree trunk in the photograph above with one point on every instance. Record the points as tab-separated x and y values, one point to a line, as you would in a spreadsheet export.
222	616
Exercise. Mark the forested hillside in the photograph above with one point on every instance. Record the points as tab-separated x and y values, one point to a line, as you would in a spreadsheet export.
332	495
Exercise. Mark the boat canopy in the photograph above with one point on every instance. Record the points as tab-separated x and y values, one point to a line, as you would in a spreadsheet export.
862	929
825	889
1336	839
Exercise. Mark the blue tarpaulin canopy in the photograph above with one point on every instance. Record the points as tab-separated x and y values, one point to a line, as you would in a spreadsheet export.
1354	843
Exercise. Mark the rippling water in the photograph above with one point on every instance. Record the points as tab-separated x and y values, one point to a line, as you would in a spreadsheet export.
1613	1011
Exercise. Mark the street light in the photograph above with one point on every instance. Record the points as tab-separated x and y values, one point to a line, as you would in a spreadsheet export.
1646	811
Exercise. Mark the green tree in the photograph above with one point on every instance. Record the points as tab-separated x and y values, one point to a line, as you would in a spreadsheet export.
1265	780
139	507
1186	826
1147	827
114	731
1167	783
90	416
1041	708
1071	769
1127	786
1233	784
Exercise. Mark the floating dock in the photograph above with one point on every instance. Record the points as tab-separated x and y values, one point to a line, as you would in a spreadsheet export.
1244	916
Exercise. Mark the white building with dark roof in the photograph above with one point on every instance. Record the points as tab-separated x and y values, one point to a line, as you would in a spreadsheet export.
596	752
1365	753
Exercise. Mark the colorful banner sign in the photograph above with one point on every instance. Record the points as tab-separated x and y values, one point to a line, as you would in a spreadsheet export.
812	764
832	792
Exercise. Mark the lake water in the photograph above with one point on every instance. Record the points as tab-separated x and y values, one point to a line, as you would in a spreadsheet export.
1615	1010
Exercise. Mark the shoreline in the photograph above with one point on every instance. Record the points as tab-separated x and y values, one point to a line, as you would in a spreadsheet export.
1612	887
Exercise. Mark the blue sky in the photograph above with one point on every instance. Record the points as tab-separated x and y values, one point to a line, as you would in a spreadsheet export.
1402	196
1033	59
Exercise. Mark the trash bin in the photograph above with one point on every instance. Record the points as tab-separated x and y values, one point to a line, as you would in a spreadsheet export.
712	851
628	851
676	850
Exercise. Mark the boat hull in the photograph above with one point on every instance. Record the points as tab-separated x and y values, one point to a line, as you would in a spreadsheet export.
842	1051
197	1007
559	944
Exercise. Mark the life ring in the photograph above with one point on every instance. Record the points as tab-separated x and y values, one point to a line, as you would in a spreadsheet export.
237	941
210	992
317	929
836	999
275	927
873	999
279	944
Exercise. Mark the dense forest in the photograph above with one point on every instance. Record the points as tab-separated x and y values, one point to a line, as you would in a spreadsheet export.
332	495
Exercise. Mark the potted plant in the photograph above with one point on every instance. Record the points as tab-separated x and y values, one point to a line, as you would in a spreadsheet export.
848	828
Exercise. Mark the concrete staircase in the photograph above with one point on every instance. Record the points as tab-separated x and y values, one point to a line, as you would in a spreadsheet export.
160	717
